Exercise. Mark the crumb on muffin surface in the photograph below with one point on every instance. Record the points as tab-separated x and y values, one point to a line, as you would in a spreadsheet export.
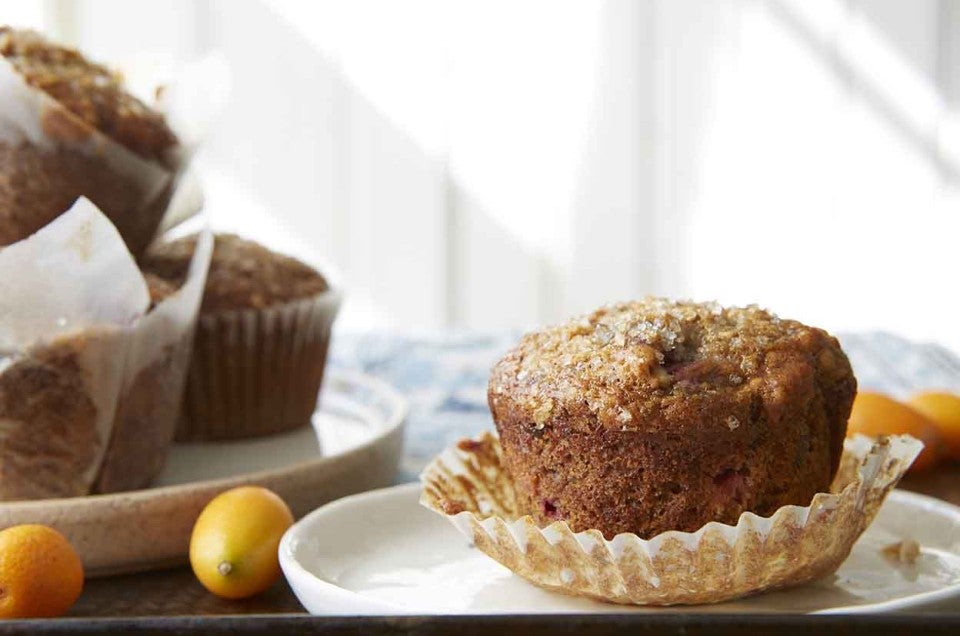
89	90
243	274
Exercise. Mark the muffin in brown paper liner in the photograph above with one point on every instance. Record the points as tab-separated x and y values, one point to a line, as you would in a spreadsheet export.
257	371
470	486
261	341
68	128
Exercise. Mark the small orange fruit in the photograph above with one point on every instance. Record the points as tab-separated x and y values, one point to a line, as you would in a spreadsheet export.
876	414
233	547
943	408
41	575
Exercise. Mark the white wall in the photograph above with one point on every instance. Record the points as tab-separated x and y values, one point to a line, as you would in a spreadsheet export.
809	170
490	164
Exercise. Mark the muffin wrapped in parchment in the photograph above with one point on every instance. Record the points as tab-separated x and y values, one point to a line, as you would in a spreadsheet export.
662	452
69	128
91	375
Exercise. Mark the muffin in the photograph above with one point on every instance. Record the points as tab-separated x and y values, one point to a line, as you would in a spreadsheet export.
85	136
261	341
656	415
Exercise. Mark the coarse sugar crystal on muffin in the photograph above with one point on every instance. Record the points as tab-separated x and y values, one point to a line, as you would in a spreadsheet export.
660	415
131	183
261	341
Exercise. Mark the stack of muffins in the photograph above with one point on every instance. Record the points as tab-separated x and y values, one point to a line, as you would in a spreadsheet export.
254	363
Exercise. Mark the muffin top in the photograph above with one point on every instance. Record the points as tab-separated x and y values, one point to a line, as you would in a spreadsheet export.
243	274
88	90
642	365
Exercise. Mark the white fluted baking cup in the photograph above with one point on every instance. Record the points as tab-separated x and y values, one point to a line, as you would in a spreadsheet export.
470	486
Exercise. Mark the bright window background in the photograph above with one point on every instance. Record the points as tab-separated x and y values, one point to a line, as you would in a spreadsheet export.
488	164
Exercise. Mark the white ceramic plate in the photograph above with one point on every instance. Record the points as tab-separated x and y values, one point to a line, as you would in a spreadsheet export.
382	553
354	445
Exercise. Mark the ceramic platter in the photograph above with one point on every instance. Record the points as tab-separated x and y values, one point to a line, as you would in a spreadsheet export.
382	553
354	445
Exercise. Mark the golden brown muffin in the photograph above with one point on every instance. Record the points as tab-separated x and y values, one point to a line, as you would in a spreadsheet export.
41	181
261	341
657	415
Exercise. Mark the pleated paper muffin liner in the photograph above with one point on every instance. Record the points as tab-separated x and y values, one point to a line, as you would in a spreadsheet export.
257	371
469	485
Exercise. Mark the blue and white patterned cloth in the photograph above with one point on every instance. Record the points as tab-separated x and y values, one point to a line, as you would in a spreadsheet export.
445	378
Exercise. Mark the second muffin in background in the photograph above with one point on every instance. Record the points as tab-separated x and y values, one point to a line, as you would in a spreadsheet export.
261	340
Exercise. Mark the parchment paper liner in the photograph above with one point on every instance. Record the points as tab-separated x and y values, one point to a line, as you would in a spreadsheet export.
134	190
468	484
75	338
257	371
150	400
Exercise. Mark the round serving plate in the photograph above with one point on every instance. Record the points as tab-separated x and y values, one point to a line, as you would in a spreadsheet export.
382	553
354	445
